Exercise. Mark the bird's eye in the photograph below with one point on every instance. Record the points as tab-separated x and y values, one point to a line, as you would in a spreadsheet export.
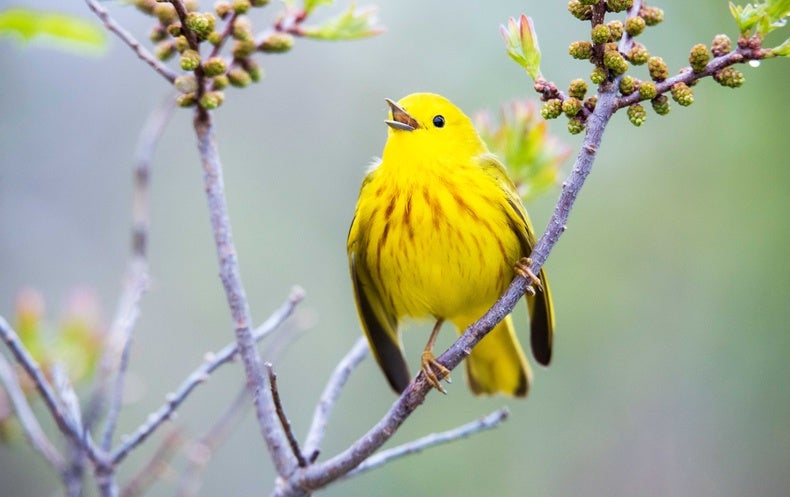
438	121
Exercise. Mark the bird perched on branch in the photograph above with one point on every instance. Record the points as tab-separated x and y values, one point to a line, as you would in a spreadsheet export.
437	231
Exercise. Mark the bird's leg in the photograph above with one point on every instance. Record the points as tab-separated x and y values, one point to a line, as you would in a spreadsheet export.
522	268
433	370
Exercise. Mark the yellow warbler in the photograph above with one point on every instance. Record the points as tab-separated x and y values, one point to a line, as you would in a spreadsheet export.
437	231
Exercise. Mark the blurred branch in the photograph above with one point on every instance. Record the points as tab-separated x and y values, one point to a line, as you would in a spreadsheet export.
200	375
27	419
329	397
200	452
286	425
485	423
157	465
130	40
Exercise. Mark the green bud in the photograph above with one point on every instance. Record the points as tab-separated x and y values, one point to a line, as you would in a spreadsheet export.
215	38
699	57
238	77
571	106
165	12
277	42
551	109
201	24
638	54
651	15
158	33
575	126
220	82
222	9
241	6
618	5
192	5
254	70
729	77
181	44
647	90
186	100
588	2
682	94
174	30
164	50
591	102
581	50
186	83
615	62
598	75
214	67
577	88
145	6
243	49
634	26
600	34
628	85
211	100
242	28
615	30
721	45
636	114
190	60
657	68
660	105
579	10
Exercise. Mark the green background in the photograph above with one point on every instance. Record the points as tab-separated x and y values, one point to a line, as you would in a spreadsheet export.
670	374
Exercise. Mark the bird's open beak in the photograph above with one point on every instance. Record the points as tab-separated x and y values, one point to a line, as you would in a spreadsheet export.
400	118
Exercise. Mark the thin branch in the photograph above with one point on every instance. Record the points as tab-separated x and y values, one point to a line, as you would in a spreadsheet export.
199	453
330	395
485	423
200	375
157	465
286	425
130	40
27	419
272	433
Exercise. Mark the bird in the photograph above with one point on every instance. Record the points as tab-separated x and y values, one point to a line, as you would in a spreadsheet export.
437	232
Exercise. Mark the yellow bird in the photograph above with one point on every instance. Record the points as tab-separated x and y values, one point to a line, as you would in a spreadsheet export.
437	232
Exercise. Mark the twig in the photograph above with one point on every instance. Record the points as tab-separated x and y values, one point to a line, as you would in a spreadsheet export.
130	40
27	419
329	397
234	291
199	453
485	423
157	465
286	425
200	375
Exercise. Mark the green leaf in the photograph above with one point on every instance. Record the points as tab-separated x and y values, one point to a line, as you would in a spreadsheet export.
521	43
310	5
64	31
782	50
352	24
762	17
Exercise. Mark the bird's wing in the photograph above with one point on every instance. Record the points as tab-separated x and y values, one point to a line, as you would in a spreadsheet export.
541	309
380	325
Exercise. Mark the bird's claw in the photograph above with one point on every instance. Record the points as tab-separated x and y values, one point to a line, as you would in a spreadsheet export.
522	268
434	371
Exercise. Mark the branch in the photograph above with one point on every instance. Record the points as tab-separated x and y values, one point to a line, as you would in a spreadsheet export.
330	394
130	40
234	291
27	419
200	375
157	465
485	423
286	425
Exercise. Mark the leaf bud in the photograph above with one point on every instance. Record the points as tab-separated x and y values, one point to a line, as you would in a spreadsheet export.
214	67
581	50
615	62
636	114
575	126
190	60
651	15
634	26
660	105
699	57
721	45
600	34
598	75
657	68
580	11
729	77
571	106
647	90
638	54
212	99
618	5
577	88
682	94
551	109
277	42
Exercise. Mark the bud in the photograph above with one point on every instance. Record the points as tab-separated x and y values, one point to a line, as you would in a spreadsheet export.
551	109
259	3
254	70
243	49
211	100
238	77
591	102
174	30
220	82
638	54
571	106
164	50
660	105
634	26
628	85
729	77
618	5
214	67
581	50
682	94
615	62
615	30
186	83
651	15
721	45
577	88
242	28
277	42
588	2
180	43
165	12
201	24
699	57
600	34
145	6
575	126
186	100
158	33
658	68
241	6
190	60
222	9
580	11
215	38
636	114
598	75
647	90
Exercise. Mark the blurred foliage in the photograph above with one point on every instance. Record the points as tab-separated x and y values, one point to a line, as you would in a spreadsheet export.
351	24
61	30
521	42
761	18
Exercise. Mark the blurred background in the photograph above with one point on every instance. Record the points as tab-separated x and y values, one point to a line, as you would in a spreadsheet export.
670	372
